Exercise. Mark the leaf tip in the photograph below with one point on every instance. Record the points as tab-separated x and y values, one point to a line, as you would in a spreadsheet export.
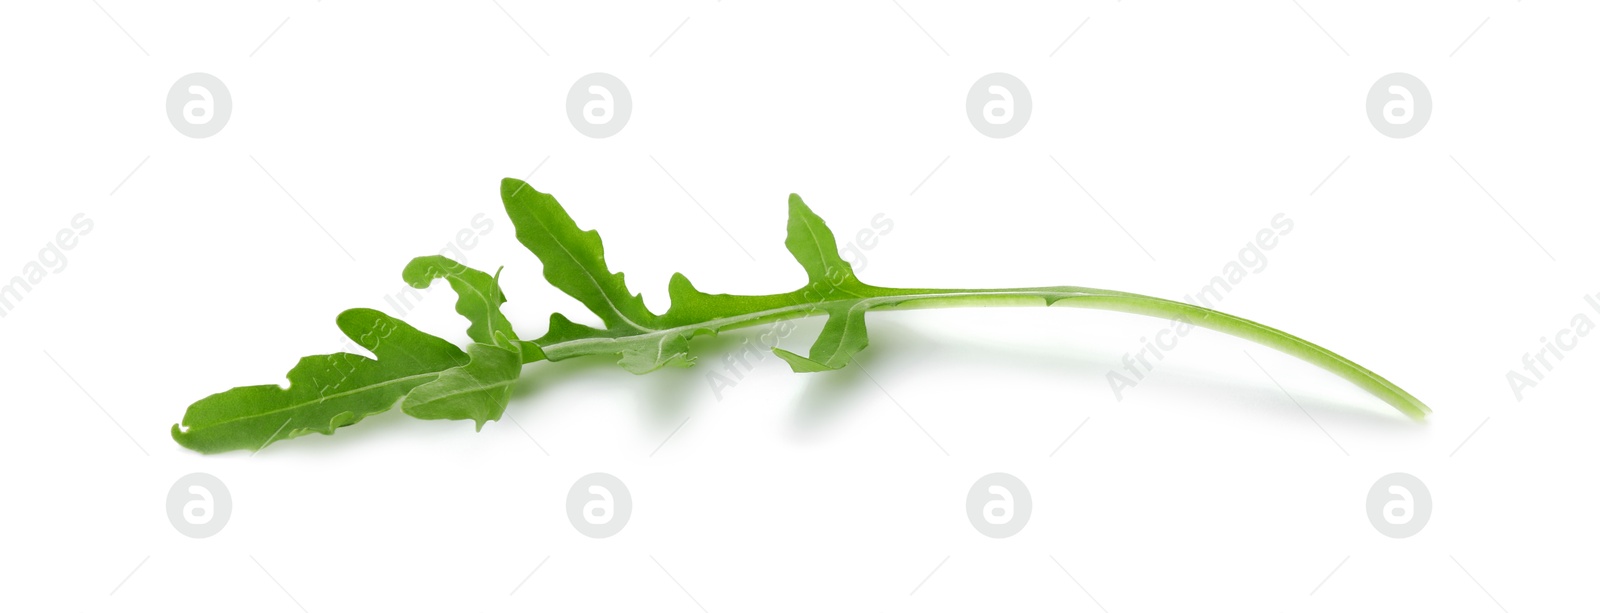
796	205
799	363
421	271
511	186
349	319
679	279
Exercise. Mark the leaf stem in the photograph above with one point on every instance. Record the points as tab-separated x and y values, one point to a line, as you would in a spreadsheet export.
868	297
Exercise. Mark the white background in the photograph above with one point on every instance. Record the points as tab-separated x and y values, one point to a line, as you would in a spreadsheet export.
1192	124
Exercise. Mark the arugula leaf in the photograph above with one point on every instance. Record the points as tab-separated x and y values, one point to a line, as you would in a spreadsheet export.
574	260
575	263
325	392
478	296
845	332
433	379
812	244
478	390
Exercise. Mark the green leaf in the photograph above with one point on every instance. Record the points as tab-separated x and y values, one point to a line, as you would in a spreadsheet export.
432	379
478	297
575	263
325	392
832	281
813	245
844	335
574	260
478	390
429	376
